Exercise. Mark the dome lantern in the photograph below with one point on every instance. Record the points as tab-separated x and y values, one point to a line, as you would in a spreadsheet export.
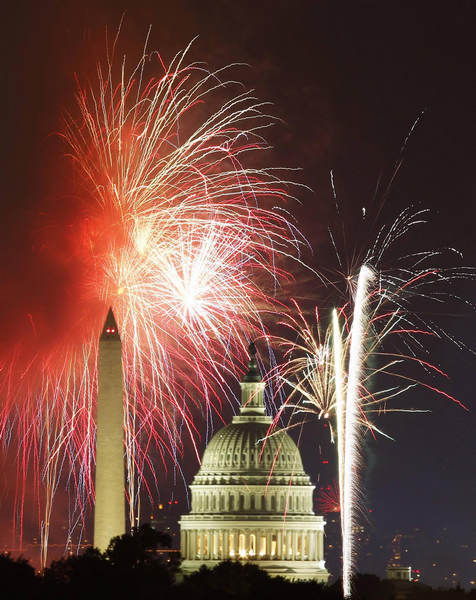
252	390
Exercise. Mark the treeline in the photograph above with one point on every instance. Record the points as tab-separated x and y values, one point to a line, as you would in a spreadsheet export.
137	567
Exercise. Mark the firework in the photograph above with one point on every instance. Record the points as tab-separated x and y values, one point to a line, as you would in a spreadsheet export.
339	384
181	239
332	372
360	320
306	367
329	499
315	354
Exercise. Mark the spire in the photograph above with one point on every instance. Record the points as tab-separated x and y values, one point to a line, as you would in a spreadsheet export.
110	331
253	375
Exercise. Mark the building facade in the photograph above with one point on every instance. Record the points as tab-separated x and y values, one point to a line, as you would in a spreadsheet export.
252	500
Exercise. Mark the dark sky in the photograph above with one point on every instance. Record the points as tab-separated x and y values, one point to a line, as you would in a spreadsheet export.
348	79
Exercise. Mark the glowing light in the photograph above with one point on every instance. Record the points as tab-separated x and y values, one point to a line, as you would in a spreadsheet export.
328	500
352	423
340	403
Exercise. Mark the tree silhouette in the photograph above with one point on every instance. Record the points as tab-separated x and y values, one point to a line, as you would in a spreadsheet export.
246	581
139	549
17	577
131	567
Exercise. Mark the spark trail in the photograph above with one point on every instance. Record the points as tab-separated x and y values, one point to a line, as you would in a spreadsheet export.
371	353
352	437
339	384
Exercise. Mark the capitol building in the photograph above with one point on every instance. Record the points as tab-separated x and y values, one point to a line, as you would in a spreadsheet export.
251	500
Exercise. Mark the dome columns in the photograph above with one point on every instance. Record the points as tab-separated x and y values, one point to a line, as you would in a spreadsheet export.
252	398
252	541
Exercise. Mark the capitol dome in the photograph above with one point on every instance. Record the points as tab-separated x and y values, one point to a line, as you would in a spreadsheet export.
237	448
251	498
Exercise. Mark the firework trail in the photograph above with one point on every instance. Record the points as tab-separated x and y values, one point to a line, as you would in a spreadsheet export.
315	354
183	241
370	354
360	320
339	386
306	366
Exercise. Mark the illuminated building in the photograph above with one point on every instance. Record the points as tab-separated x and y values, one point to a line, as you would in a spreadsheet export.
109	510
400	573
395	570
251	500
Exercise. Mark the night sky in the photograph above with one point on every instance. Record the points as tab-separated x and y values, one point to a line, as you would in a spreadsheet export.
348	80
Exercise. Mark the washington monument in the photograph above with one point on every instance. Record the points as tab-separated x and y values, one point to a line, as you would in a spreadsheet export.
110	510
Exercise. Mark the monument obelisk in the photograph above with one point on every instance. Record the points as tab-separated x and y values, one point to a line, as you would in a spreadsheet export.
110	509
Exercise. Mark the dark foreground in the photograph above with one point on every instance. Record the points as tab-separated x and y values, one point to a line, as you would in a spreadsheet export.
133	568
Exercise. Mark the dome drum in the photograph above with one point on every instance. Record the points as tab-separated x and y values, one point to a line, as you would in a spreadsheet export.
262	499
